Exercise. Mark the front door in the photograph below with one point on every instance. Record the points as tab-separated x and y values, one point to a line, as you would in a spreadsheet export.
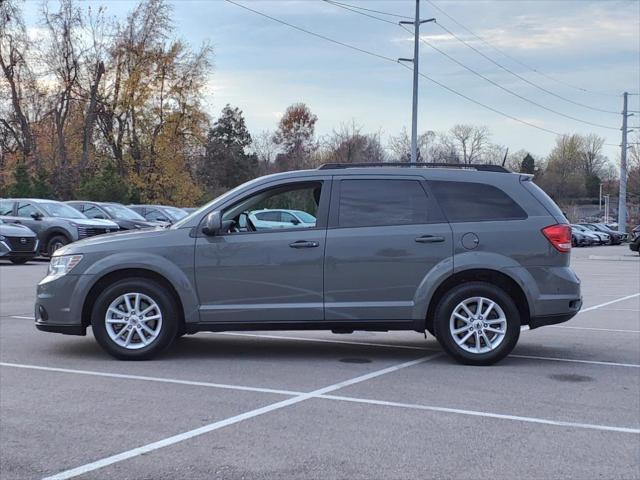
254	273
384	237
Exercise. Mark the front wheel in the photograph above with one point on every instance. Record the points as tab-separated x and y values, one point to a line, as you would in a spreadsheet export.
56	242
477	323
19	261
134	319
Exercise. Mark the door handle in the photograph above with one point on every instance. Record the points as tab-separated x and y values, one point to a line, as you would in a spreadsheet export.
429	239
304	244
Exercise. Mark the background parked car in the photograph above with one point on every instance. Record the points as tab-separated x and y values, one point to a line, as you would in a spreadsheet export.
159	213
615	238
280	218
634	244
123	216
598	238
18	243
55	223
582	239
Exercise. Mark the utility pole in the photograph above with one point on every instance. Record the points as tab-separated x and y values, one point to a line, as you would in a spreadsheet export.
622	197
416	54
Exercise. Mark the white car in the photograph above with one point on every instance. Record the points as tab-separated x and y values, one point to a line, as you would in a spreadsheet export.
269	219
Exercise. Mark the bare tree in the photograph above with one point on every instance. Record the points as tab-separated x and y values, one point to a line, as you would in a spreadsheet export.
469	141
265	150
400	146
591	154
15	126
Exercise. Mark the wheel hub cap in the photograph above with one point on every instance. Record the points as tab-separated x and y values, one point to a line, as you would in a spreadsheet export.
478	325
133	320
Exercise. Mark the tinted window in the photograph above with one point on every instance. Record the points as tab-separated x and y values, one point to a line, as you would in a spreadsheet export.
6	207
473	202
156	215
367	203
92	211
269	216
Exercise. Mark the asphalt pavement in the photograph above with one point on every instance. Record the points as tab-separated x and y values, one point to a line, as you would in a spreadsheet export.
314	405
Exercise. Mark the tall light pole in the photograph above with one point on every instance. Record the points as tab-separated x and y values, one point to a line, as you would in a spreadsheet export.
416	55
622	196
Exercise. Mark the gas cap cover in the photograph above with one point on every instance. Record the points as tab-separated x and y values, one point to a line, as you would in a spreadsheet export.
470	240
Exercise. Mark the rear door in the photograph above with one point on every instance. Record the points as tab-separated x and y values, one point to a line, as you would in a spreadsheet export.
384	236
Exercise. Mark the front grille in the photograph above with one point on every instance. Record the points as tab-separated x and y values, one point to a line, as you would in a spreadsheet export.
22	244
84	232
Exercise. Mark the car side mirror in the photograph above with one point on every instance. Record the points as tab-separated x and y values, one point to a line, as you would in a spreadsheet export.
100	216
37	215
295	221
163	219
212	224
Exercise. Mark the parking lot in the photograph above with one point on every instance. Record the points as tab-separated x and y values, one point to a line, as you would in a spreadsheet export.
313	405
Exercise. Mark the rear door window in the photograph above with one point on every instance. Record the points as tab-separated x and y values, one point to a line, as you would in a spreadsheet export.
377	202
475	202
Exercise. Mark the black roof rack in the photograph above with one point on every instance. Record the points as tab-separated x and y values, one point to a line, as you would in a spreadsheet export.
479	167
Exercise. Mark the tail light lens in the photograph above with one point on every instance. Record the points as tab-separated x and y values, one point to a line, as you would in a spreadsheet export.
559	236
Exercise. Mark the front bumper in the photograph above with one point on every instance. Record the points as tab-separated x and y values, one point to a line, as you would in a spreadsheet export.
59	303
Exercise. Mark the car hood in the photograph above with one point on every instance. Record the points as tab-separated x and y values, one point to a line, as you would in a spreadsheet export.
111	241
94	222
129	224
15	230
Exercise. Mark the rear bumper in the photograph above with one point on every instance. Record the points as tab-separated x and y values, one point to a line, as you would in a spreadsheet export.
544	320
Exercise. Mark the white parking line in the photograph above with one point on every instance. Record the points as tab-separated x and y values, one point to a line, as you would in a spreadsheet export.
150	379
596	329
621	299
74	472
476	413
21	317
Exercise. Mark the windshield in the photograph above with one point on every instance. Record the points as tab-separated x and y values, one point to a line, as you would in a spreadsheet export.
175	213
57	209
305	217
121	212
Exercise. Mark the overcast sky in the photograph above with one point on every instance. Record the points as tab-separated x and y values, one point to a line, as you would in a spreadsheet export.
262	66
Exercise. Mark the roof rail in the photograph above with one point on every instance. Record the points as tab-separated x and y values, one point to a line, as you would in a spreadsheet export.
463	166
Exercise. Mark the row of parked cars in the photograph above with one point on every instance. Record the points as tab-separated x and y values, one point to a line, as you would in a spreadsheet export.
588	234
30	227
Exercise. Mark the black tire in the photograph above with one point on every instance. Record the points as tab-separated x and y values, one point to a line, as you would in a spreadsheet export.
56	242
446	308
19	261
159	295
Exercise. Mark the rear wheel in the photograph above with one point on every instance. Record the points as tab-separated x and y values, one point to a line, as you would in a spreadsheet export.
477	323
134	319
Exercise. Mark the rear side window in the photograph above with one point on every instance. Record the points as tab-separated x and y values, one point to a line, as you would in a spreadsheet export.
369	203
475	202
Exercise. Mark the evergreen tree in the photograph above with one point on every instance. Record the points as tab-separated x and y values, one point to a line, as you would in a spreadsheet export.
22	182
226	163
528	165
106	185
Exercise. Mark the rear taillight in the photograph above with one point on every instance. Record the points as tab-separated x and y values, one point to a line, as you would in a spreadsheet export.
559	236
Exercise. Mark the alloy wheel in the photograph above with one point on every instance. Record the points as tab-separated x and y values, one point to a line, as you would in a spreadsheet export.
133	320
478	325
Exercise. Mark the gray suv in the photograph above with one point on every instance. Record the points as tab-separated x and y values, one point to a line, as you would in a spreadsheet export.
55	223
469	254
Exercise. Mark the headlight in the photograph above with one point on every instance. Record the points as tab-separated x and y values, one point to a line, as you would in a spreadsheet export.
61	265
2	238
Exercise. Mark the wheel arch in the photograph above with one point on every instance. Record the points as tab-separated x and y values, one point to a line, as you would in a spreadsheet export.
114	276
52	232
493	277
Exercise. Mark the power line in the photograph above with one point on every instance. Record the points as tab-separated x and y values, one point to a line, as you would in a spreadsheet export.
475	72
517	75
405	17
389	59
511	92
529	67
318	35
351	7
